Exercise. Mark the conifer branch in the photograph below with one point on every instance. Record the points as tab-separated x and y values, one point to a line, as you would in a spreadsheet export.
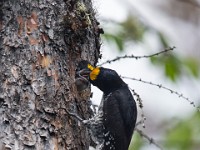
180	95
139	100
137	57
151	140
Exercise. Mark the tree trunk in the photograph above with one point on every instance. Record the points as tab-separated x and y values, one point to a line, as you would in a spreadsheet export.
41	42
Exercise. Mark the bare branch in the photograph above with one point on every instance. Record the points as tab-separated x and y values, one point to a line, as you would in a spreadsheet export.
137	57
151	140
180	95
139	100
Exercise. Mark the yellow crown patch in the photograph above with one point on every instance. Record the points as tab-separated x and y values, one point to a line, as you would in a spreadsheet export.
95	72
90	67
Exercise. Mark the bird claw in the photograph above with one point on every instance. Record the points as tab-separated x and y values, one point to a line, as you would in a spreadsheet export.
75	115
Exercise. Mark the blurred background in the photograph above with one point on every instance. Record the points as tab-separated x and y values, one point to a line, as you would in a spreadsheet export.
145	27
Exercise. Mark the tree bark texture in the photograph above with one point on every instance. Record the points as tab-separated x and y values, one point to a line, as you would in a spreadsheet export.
41	42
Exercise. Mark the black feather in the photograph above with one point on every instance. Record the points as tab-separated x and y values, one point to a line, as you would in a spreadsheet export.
119	110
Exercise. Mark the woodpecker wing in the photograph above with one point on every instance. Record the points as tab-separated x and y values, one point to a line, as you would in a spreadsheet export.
120	113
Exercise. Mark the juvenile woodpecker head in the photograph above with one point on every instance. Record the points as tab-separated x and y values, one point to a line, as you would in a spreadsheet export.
84	73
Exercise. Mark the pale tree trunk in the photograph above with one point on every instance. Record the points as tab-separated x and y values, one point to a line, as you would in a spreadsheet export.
41	42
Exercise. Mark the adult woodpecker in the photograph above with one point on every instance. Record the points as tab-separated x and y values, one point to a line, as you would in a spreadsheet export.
114	123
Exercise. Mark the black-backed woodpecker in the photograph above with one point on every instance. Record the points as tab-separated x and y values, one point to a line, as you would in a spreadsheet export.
113	125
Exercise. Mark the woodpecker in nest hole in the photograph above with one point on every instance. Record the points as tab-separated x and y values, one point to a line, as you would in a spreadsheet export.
112	127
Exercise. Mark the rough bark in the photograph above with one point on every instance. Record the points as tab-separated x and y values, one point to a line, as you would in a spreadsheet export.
41	42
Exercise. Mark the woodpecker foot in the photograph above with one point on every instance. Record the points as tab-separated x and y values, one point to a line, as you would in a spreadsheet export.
75	115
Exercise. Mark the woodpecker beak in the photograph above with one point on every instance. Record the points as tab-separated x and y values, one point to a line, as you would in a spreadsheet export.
82	79
84	73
